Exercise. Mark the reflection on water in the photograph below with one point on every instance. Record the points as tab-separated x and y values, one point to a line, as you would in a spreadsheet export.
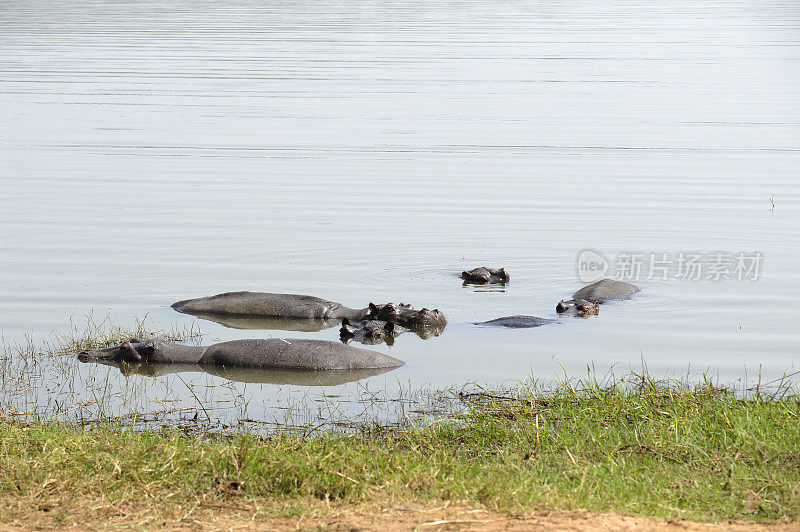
253	375
369	151
283	324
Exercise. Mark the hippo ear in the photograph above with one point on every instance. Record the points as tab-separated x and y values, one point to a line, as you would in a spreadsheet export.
149	346
345	322
561	307
389	327
465	274
128	353
372	307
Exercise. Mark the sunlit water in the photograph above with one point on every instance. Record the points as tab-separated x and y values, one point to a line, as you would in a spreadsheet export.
370	151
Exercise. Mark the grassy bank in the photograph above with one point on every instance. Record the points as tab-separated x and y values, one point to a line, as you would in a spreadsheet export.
697	453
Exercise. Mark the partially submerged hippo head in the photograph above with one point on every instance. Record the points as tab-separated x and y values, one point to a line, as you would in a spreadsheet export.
370	331
578	307
132	351
484	275
406	315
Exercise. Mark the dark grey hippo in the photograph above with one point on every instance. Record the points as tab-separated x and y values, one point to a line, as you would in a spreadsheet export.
406	315
370	331
267	305
587	300
273	353
517	322
484	275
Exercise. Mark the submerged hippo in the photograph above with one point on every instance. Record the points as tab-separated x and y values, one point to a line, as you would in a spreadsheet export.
517	322
406	315
370	331
278	353
267	305
484	275
587	300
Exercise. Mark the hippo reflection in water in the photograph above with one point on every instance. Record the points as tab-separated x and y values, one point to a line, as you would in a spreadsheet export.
270	323
250	375
376	331
273	353
370	331
484	275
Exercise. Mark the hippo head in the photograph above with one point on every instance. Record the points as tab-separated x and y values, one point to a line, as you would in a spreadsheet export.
406	315
132	351
484	275
389	312
431	318
579	307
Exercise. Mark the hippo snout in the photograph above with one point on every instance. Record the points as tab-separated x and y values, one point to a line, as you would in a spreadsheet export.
87	355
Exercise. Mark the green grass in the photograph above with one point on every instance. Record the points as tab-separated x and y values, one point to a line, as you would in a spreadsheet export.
699	453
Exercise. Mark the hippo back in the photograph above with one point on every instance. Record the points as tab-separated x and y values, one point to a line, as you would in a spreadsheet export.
605	290
264	304
517	322
295	353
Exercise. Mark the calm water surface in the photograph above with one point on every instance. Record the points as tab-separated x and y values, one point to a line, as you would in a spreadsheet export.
369	151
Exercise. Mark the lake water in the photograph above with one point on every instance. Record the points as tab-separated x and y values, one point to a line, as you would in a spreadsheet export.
369	151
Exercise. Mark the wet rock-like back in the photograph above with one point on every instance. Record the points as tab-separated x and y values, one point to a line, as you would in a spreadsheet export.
265	304
295	353
517	322
606	290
